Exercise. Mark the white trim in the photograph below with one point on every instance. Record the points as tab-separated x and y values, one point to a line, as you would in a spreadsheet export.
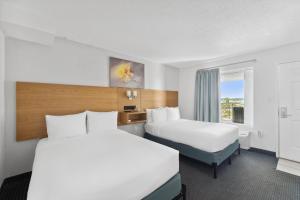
230	64
288	166
2	105
278	117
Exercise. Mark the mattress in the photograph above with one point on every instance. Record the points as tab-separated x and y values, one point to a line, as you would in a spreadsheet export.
109	165
206	136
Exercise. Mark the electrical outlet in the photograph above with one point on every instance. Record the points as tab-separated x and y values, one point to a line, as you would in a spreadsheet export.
260	133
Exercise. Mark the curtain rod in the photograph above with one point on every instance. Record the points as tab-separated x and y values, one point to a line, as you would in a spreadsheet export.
235	63
289	62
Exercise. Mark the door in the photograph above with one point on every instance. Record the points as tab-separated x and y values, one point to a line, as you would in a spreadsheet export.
289	111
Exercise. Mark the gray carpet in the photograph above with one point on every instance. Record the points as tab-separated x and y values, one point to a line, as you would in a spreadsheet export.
252	176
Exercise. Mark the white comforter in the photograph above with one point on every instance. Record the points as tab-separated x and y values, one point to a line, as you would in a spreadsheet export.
110	165
210	137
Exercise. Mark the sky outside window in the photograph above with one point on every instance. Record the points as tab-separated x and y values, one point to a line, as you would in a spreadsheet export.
232	89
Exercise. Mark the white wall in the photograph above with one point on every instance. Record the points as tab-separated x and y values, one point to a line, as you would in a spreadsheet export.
172	78
265	90
63	62
2	62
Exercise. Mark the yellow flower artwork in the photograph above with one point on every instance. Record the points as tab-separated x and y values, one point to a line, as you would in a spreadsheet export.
125	73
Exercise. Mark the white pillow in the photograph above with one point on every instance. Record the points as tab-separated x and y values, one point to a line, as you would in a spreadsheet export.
149	115
66	125
159	115
100	121
173	113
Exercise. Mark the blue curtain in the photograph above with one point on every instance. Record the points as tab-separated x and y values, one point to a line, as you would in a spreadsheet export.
207	95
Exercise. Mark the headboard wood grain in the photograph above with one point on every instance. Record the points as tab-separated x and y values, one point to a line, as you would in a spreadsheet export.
172	98
124	101
35	100
158	98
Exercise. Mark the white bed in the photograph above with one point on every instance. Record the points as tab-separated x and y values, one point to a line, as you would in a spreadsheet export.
109	165
209	137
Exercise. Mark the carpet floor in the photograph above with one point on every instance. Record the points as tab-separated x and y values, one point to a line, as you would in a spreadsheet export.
251	176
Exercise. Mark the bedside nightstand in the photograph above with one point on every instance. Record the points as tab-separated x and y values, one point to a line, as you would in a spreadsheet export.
126	118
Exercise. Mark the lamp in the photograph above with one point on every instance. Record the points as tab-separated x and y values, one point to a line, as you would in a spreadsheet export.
131	94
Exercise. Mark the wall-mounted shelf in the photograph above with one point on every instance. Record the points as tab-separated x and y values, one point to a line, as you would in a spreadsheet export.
132	118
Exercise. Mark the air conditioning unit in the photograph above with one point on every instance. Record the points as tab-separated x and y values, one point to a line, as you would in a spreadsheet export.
244	139
238	115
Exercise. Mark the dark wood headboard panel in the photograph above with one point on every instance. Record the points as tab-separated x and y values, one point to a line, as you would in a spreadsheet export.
35	100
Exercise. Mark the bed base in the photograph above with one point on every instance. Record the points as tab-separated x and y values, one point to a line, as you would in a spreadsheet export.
215	165
213	159
182	194
173	189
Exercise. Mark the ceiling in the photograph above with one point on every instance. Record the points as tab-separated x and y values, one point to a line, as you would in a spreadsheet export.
173	31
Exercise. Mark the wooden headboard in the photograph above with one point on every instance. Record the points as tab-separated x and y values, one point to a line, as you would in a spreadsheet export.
35	100
158	98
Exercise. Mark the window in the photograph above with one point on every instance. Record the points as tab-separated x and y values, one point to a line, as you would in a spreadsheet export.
232	101
236	92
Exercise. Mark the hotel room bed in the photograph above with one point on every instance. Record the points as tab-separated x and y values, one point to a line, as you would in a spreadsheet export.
211	143
109	165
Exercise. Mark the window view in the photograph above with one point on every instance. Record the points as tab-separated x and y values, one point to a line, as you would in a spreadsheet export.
232	100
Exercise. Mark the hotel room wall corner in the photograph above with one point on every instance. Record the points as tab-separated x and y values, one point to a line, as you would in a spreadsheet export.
2	107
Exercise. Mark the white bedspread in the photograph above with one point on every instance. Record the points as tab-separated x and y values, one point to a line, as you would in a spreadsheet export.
210	137
111	165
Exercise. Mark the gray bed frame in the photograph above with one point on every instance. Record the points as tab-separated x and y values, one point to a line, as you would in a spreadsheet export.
213	159
171	190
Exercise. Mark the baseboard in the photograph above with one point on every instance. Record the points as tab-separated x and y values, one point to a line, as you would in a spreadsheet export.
288	166
270	153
